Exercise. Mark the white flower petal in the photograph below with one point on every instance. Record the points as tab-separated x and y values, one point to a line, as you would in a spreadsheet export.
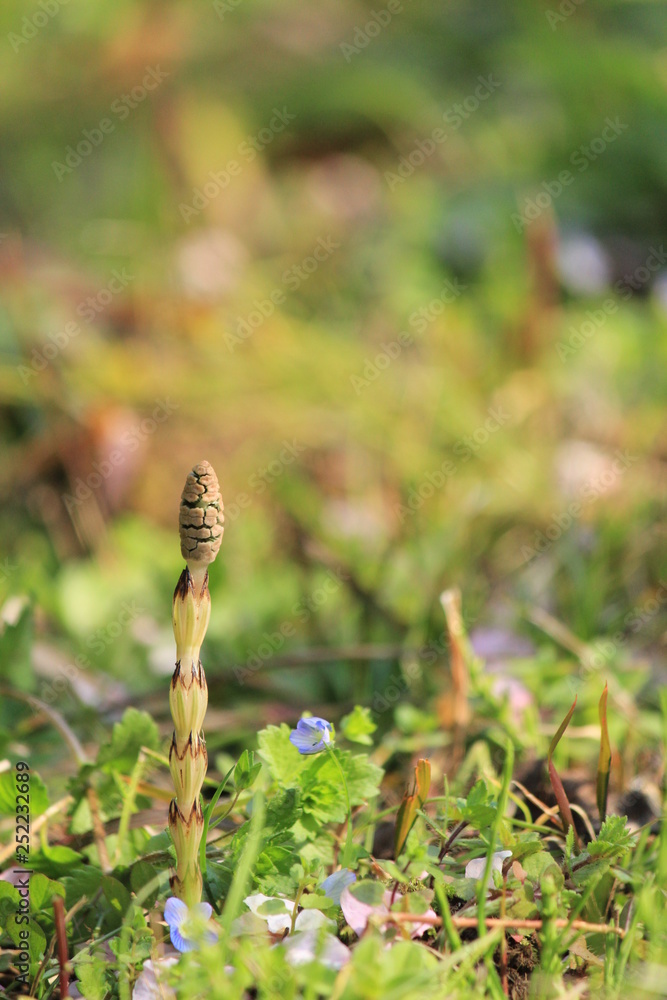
309	920
476	867
277	922
204	910
308	946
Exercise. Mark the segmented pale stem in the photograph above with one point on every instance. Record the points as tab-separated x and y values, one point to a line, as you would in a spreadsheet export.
201	528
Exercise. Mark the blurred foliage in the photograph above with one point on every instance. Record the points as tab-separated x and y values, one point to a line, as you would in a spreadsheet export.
397	417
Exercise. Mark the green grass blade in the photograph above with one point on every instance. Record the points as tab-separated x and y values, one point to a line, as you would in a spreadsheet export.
250	853
208	812
495	827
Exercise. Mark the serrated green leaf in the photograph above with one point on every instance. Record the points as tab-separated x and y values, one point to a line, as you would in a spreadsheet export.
283	760
479	807
590	871
273	872
283	811
91	974
363	777
613	839
136	729
322	795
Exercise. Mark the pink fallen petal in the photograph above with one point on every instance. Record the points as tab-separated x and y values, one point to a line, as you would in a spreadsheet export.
357	914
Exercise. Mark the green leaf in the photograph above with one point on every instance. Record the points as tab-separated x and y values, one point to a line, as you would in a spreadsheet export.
394	871
362	775
272	906
539	864
16	652
30	934
368	891
315	901
42	891
136	729
91	973
614	838
479	808
273	871
246	771
416	902
159	842
141	875
322	796
118	899
39	798
81	882
58	858
284	760
9	901
358	725
283	810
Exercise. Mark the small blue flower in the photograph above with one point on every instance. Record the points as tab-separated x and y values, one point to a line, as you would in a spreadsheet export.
189	927
334	884
312	735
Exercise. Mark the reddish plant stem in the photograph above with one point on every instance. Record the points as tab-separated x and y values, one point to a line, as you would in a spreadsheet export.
61	940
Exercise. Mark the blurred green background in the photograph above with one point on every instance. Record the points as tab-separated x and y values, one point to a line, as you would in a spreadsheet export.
396	271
